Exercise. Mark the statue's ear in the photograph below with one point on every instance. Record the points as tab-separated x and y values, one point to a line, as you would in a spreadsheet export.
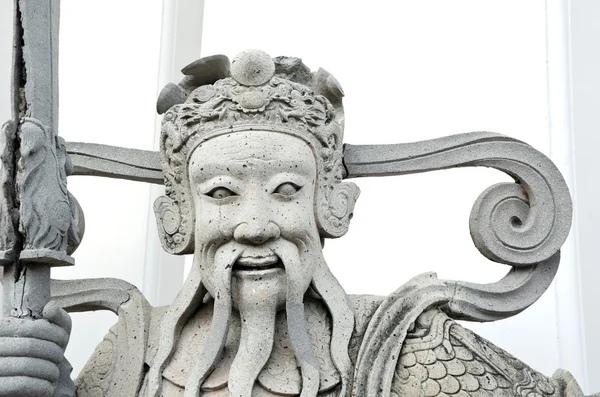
175	226
336	209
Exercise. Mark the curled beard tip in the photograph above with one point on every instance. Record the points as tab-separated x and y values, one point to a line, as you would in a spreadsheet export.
219	328
184	305
256	345
342	315
298	334
310	381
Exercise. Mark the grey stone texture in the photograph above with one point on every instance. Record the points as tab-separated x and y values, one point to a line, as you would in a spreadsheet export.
256	177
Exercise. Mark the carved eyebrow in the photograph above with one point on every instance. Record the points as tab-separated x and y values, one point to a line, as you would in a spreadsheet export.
199	174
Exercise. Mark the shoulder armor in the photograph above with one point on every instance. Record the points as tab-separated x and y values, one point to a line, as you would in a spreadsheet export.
440	358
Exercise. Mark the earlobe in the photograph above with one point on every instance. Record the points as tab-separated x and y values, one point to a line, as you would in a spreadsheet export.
176	232
337	210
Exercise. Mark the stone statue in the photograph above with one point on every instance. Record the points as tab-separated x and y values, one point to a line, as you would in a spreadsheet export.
254	170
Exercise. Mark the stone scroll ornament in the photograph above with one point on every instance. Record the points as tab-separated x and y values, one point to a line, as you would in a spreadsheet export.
521	224
41	222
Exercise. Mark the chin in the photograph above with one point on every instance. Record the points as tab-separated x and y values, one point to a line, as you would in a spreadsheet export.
258	287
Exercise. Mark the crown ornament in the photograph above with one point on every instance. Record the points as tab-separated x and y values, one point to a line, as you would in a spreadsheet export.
254	92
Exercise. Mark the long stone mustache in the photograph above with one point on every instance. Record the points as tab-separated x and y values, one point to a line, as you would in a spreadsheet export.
191	296
185	304
289	254
340	308
295	265
217	336
338	304
296	320
257	314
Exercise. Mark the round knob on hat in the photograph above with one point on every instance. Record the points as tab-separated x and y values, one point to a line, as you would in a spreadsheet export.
252	67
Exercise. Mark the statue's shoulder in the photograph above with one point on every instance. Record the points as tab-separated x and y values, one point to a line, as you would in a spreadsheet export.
439	357
364	306
122	355
96	376
118	364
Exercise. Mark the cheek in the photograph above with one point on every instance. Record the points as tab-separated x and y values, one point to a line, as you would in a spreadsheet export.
213	222
296	217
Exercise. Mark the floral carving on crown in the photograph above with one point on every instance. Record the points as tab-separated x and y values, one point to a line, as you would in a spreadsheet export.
256	93
279	104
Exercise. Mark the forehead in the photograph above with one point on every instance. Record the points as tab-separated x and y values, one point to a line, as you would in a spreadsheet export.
253	148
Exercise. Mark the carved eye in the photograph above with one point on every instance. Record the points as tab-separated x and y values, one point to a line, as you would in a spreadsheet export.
287	189
220	193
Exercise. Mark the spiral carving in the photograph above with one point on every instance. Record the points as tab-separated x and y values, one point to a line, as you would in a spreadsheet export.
522	224
337	209
506	229
174	229
518	224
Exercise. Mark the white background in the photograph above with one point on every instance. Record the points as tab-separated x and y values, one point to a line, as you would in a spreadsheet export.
411	71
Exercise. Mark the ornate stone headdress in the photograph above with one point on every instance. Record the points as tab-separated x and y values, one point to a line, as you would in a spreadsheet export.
255	92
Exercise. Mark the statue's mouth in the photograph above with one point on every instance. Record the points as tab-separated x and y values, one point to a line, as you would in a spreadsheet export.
254	263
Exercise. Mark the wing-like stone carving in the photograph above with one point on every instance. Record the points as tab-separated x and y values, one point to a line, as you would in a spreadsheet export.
519	223
522	224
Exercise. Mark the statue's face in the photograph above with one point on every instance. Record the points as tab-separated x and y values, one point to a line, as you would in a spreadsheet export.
254	199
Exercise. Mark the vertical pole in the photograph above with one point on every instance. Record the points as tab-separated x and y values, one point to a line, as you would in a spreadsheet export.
6	46
10	238
584	31
572	353
35	200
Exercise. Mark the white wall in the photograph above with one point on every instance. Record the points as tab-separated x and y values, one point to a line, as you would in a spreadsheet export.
109	82
569	308
585	74
108	61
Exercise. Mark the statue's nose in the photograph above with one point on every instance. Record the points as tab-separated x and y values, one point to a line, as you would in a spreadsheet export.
255	233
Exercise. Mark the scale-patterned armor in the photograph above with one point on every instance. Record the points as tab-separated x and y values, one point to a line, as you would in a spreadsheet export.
440	358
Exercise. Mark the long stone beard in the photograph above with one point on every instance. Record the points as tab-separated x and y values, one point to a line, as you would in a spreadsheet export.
258	313
222	261
296	262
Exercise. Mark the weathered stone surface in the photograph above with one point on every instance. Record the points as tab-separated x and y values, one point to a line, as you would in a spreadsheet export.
39	220
254	165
